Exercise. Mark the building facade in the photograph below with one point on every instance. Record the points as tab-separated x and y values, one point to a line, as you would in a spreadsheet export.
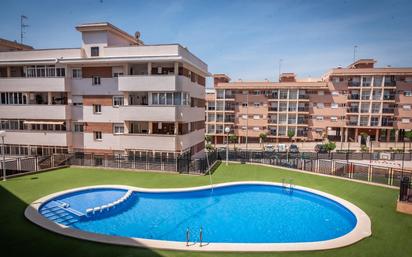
113	95
354	104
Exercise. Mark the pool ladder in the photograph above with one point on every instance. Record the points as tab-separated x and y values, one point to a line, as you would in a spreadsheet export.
188	236
287	185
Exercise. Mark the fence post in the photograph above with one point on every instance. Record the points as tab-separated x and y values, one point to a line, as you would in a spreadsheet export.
36	164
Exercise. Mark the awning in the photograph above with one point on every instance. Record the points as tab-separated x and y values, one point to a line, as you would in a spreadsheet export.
44	122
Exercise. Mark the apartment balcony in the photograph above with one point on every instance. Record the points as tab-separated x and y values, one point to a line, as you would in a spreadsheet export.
303	109
389	84
388	110
353	110
37	111
107	86
354	97
353	83
160	142
159	113
156	83
303	97
326	123
339	86
273	109
387	123
366	97
352	123
53	84
389	97
55	138
340	111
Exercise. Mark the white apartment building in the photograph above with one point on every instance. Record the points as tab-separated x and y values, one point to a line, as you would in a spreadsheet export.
113	95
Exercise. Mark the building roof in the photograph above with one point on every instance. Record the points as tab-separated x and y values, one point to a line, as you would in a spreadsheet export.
13	45
271	85
371	71
355	64
106	26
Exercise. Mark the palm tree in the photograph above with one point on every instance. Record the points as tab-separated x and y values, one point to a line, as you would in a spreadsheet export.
263	137
291	133
408	135
233	139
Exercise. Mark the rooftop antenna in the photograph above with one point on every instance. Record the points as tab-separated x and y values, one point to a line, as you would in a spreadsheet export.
280	67
354	52
23	25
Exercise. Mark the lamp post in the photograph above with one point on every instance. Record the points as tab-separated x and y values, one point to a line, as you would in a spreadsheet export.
2	135
227	130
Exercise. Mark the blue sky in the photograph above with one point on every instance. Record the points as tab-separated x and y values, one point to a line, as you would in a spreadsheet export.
244	39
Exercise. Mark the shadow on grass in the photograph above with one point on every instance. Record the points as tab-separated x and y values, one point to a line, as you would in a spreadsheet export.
21	237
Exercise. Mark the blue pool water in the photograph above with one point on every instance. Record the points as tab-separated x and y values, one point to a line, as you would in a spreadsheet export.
247	213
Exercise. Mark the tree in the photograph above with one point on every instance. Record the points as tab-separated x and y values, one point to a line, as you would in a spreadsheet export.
209	147
233	139
408	135
330	146
208	138
291	133
263	137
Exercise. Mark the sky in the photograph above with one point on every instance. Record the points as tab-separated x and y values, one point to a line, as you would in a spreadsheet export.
243	39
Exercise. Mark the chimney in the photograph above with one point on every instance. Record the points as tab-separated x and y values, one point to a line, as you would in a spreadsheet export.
220	78
287	77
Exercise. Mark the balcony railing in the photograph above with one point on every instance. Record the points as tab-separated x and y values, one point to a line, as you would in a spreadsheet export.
366	84
353	109
303	96
388	110
303	109
387	123
364	110
374	123
353	83
353	123
302	121
273	109
390	84
354	97
389	97
366	97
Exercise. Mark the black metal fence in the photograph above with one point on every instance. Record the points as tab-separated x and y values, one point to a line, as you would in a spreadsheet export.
336	164
405	190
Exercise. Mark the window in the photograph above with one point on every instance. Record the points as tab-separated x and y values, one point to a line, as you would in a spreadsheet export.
319	117
407	107
320	92
334	118
117	74
257	104
256	128
97	108
256	117
244	116
406	120
335	93
118	101
94	51
78	127
334	105
320	105
77	73
118	128
244	128
97	135
407	93
244	104
96	80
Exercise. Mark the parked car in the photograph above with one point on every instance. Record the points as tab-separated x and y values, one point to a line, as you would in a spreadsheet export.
293	149
282	148
321	148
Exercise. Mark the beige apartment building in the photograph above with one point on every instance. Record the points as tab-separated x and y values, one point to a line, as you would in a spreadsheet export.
113	95
343	105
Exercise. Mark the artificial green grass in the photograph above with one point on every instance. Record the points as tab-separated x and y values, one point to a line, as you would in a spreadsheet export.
391	231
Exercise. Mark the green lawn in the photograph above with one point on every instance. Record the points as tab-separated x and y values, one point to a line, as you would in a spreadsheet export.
391	231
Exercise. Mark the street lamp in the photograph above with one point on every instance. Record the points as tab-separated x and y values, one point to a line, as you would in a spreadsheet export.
2	135
227	130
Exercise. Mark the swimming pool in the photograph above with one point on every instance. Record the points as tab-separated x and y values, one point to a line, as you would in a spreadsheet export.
255	215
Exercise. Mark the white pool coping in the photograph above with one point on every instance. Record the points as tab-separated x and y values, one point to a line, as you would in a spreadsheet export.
362	229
